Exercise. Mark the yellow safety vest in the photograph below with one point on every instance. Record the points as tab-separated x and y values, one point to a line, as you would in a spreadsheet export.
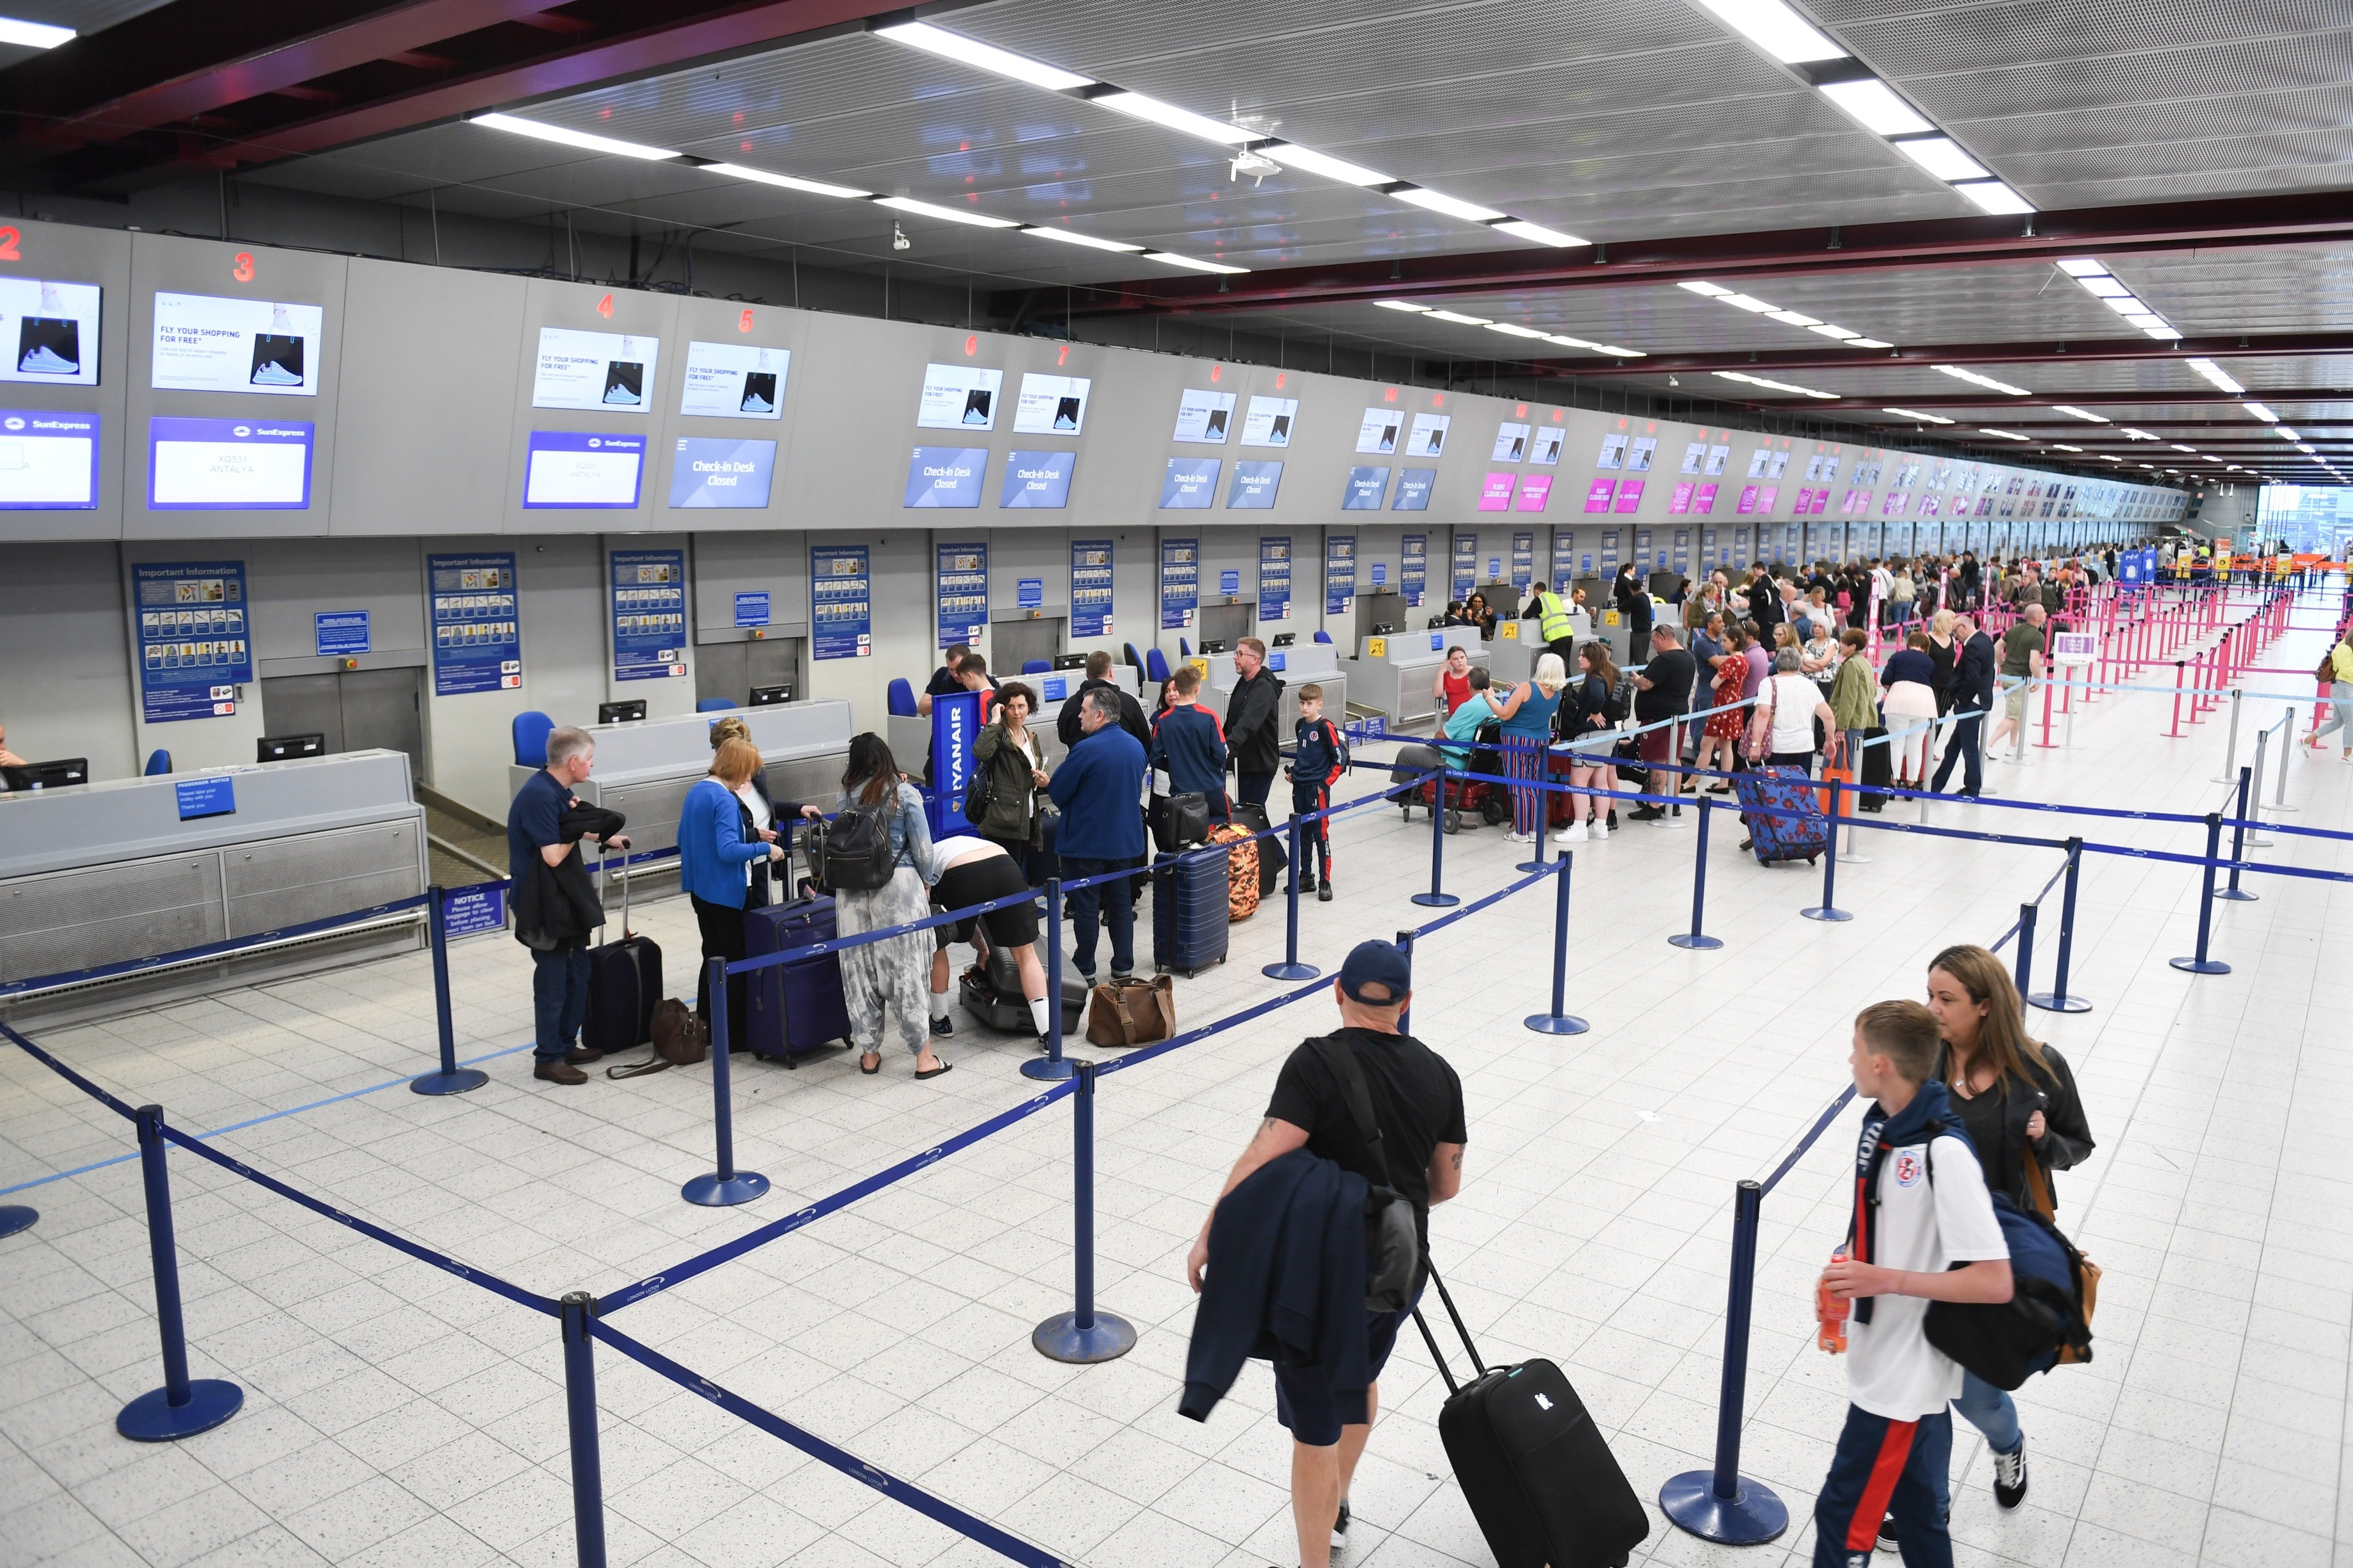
1553	624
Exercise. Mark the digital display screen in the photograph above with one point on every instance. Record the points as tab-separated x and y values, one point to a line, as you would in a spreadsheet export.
734	381
1189	483
959	397
1051	405
594	369
205	343
715	471
48	462
1204	416
568	468
228	465
1270	421
50	331
946	476
1040	480
1254	486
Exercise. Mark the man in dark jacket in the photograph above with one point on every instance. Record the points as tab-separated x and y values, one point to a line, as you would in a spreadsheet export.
555	905
1131	711
1633	599
1096	788
1972	693
1189	745
1417	1113
1251	708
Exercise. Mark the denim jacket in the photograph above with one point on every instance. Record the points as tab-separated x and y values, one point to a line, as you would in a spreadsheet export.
911	835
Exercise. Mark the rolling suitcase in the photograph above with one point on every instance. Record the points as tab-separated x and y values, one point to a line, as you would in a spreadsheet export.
1878	767
1188	911
1536	1472
624	981
991	991
1273	859
799	1008
1242	875
1801	837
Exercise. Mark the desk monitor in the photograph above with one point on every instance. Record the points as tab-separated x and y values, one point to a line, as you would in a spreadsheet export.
621	712
278	748
1069	661
1388	628
48	776
1213	645
769	696
1284	639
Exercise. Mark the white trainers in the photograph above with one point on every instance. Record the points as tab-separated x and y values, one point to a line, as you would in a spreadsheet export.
1520	837
1573	833
1599	828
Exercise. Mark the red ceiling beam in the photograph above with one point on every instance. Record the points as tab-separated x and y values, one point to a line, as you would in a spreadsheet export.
1831	357
2157	228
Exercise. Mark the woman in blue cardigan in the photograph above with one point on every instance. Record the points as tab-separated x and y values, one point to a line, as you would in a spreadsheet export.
717	844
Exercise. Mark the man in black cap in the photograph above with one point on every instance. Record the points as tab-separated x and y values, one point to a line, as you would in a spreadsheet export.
1417	1103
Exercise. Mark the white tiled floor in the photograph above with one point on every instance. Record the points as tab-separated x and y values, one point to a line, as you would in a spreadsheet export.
396	1414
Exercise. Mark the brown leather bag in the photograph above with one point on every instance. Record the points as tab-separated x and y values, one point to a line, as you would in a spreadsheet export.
681	1039
1123	1014
2038	1192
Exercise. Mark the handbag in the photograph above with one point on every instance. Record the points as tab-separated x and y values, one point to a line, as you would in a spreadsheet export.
680	1039
1123	1014
2038	1192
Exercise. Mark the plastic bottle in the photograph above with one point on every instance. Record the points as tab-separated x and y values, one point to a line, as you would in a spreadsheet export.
1830	1313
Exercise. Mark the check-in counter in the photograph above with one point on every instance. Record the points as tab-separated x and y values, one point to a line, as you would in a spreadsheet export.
1394	674
1057	687
1317	664
1511	657
644	768
106	873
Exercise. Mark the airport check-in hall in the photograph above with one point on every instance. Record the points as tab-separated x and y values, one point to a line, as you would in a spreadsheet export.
1637	856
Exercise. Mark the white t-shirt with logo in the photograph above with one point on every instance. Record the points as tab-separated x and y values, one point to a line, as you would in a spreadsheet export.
1891	1369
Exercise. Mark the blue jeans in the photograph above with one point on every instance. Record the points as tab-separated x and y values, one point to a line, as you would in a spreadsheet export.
559	1000
1992	1413
1112	904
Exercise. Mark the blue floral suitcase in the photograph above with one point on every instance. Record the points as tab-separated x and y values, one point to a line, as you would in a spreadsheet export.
1782	836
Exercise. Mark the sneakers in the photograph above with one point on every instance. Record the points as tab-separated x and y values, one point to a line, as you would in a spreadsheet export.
1597	828
1307	883
1324	892
1573	833
1340	1527
1645	814
559	1072
942	1026
2010	1476
1887	1542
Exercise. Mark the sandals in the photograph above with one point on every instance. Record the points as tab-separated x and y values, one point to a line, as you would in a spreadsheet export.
943	1067
871	1072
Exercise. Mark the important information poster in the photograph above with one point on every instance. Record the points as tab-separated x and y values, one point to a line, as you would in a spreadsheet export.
842	602
1274	577
1180	582
1091	587
962	571
193	640
477	633
649	618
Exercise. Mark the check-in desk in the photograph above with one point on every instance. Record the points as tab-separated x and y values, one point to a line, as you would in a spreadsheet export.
1317	664
1057	687
1394	674
1511	657
105	873
644	768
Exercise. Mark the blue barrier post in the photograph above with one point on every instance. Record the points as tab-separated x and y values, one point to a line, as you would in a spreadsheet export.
14	1217
1559	1021
1052	1066
1291	968
580	1407
1694	939
451	1078
1405	945
2057	999
728	1185
1828	908
1437	898
184	1406
1720	1505
1083	1336
2023	971
2236	894
2198	962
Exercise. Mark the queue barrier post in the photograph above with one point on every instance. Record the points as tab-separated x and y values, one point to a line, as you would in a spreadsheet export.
1291	968
2235	893
580	1411
2231	752
2180	675
184	1406
727	1186
1828	908
1054	1067
2287	727
14	1217
2251	813
2058	999
1083	1336
1405	946
451	1078
1720	1504
2023	971
1695	939
1437	898
1559	1021
2199	963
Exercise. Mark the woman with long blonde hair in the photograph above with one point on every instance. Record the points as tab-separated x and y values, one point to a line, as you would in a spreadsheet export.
1527	719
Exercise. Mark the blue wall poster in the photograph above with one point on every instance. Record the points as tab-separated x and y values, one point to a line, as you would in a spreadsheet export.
1189	483
1413	490
752	609
1413	567
649	589
956	741
1229	584
1682	550
1030	593
1367	488
841	601
946	476
1181	581
194	643
1091	587
1563	561
1274	577
963	571
1610	553
477	637
1466	564
1524	561
339	634
1254	487
1339	573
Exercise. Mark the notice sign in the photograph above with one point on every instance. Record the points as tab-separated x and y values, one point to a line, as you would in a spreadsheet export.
1051	405
1204	416
649	618
1413	568
1535	492
1629	494
1180	582
1511	444
476	639
1524	561
193	638
228	465
1598	495
1091	587
962	575
750	609
568	470
1270	421
1429	436
945	477
1339	573
50	331
214	796
1189	483
1547	449
612	371
841	603
1367	488
1030	593
1037	480
1466	563
721	472
1274	577
339	633
48	462
204	343
734	381
1496	492
471	911
1703	499
959	397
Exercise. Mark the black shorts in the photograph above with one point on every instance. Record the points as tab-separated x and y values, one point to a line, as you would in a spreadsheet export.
977	881
1305	1404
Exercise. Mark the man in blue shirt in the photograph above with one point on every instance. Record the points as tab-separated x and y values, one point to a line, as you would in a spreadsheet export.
1097	788
555	906
1189	743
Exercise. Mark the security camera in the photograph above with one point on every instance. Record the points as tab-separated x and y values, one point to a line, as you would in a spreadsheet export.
899	240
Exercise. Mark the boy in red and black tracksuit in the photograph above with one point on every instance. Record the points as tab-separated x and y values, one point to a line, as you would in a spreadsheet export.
1318	765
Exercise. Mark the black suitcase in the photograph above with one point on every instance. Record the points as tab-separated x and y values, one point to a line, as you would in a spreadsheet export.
1536	1471
991	991
1878	767
1273	854
799	1008
624	981
1188	911
1177	820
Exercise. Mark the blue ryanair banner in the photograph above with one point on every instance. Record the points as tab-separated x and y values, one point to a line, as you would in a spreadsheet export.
956	734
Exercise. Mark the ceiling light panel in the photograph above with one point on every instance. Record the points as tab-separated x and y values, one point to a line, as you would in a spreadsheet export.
1995	198
2005	435
2074	413
1193	262
2080	267
1458	317
786	182
1403	305
1773	385
2259	411
1536	233
1514	330
2216	374
1749	302
1974	379
1916	414
1873	104
1713	290
1796	318
985	56
1776	29
32	35
1167	114
945	215
1437	202
1943	157
1292	156
582	140
1071	236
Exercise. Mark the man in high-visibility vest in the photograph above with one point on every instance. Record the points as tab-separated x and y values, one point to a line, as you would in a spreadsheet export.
1553	626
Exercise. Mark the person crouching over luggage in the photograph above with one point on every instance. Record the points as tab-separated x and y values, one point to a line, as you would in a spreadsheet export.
1911	1240
1313	771
973	870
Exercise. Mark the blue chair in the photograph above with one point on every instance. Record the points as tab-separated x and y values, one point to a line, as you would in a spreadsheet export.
530	730
713	705
1036	666
1324	636
1156	665
158	762
1184	648
902	698
1134	660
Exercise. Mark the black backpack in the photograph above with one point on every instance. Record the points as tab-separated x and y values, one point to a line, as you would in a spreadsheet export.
2046	1317
852	852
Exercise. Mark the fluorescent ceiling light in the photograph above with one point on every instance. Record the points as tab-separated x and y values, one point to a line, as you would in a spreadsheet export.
1748	303
789	182
1402	305
1776	29
2105	287
1868	343
945	215
1974	379
1458	317
2217	374
1993	196
32	35
580	139
2130	434
1292	156
2123	304
2064	447
2073	412
2162	331
1175	119
1713	290
1073	237
1568	343
2179	448
2259	411
1637	353
1942	156
1195	262
988	57
1775	386
2303	447
1832	329
1874	104
1439	202
2106	459
1512	329
2081	268
1537	234
1916	414
2286	434
2005	435
1796	318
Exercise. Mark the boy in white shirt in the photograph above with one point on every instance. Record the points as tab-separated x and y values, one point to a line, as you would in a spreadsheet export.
1914	1240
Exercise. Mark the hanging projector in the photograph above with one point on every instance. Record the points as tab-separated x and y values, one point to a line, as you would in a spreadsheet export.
1257	166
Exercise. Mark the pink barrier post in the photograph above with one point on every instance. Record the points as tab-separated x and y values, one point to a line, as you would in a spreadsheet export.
2175	733
2045	744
